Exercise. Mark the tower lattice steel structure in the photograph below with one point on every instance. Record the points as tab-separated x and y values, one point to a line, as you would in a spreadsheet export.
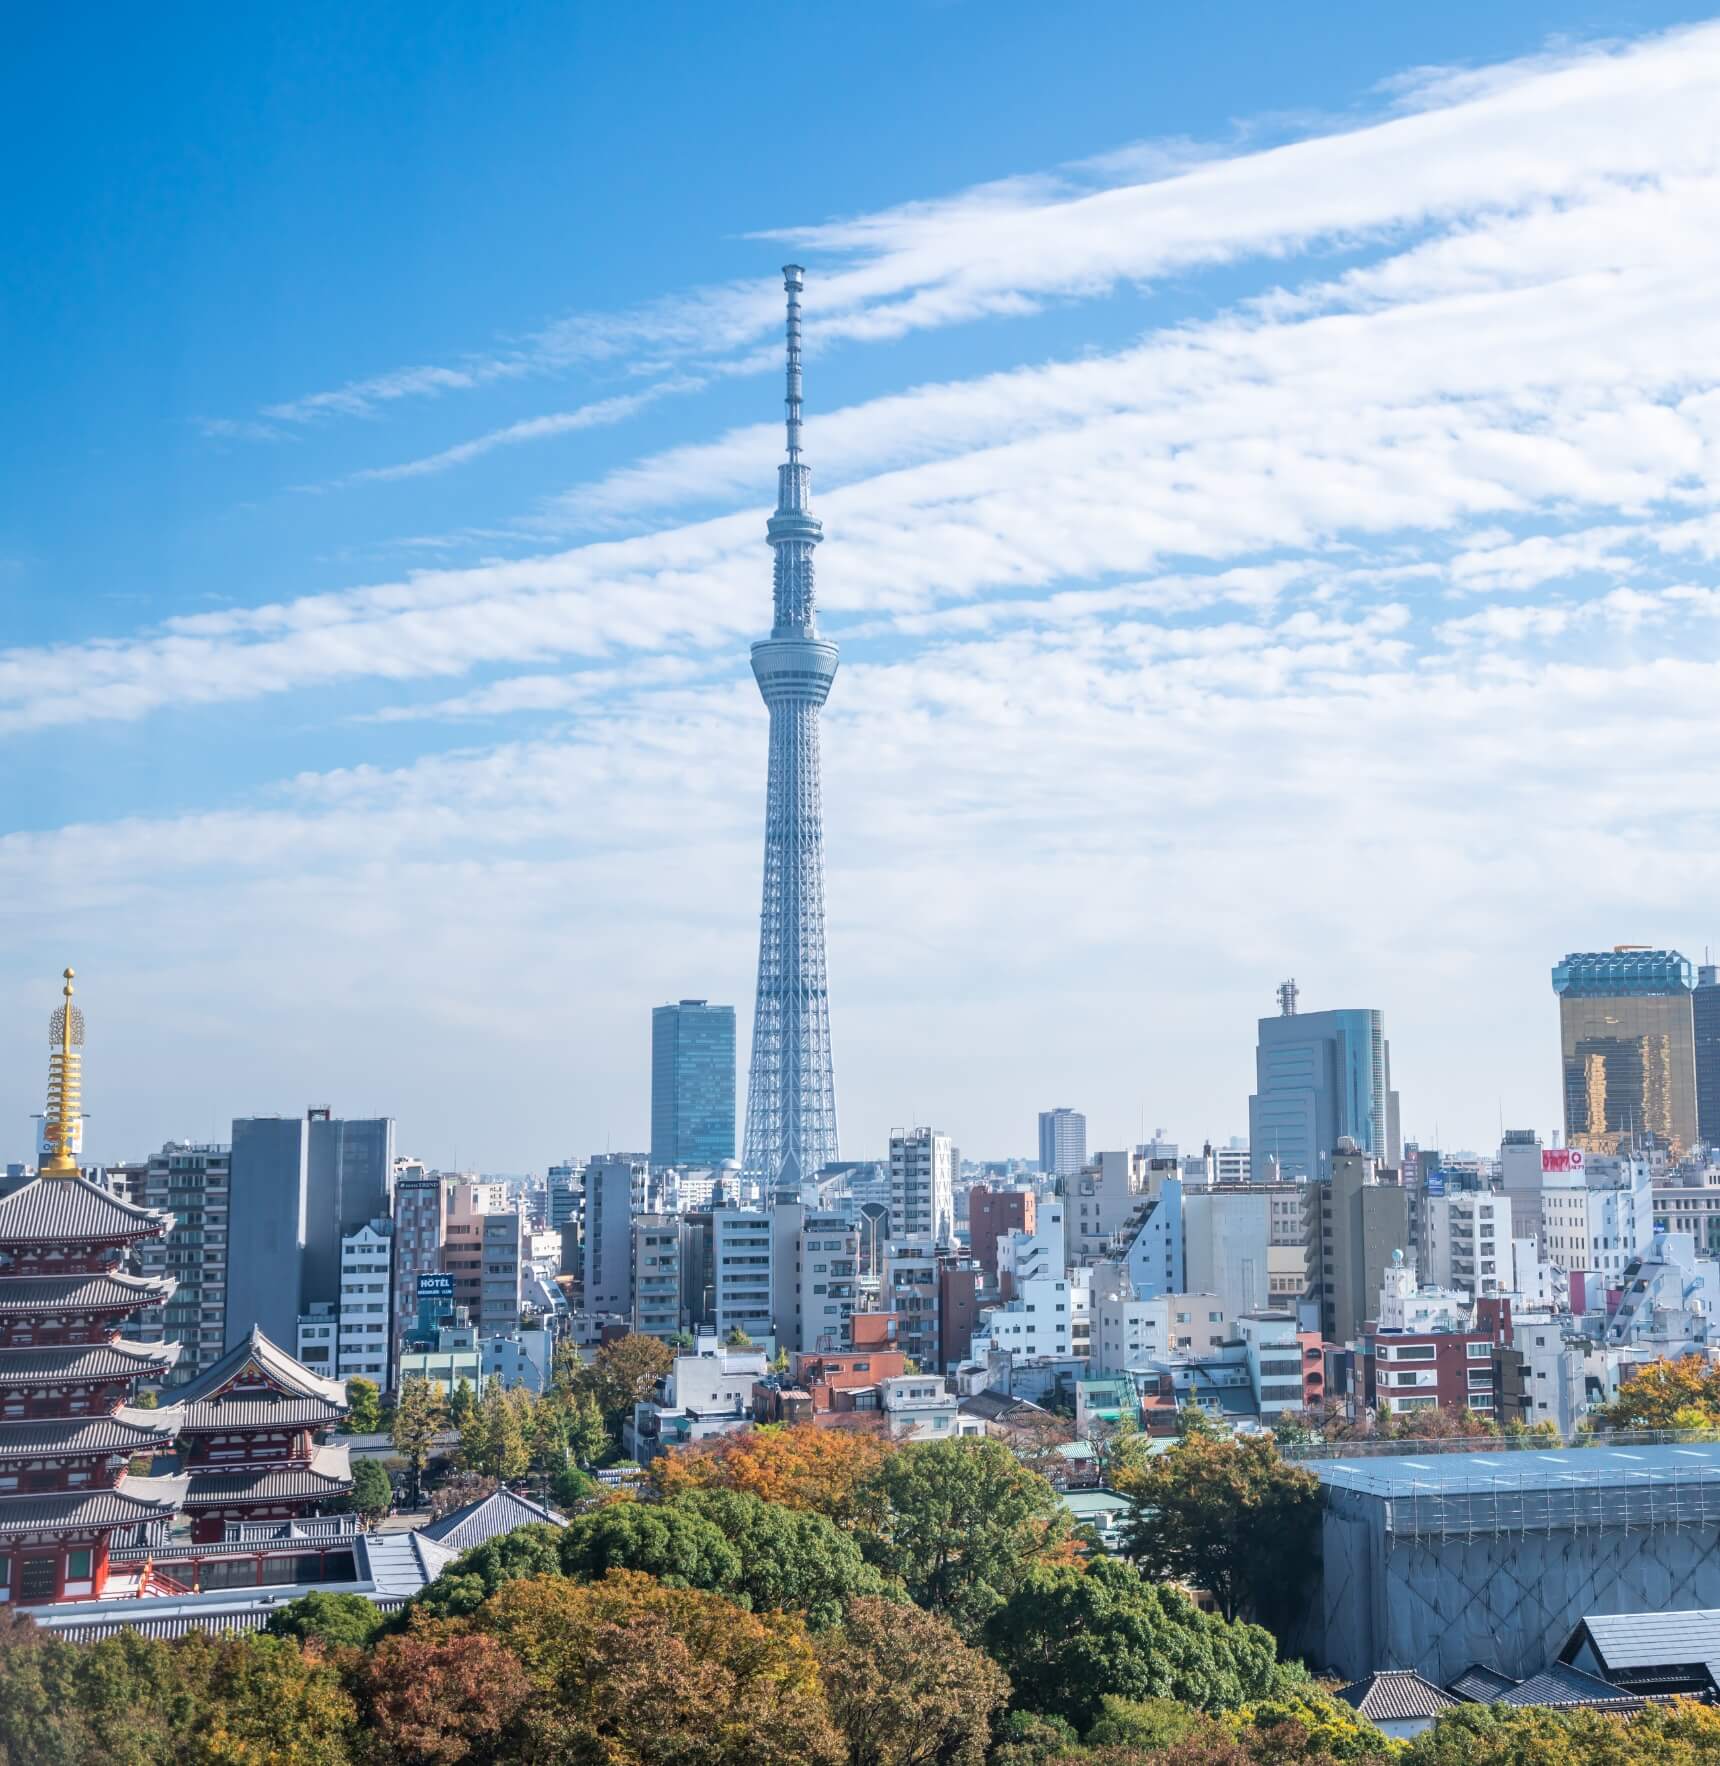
791	1097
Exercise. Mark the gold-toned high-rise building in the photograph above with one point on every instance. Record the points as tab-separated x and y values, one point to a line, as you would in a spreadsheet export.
1628	1040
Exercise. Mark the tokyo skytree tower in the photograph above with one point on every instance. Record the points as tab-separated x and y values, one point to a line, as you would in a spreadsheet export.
791	1097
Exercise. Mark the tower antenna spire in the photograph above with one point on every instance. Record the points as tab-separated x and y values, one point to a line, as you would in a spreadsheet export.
791	1091
793	280
62	1127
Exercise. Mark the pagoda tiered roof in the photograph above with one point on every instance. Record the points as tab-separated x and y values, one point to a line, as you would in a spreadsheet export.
47	1209
327	1475
94	1291
125	1431
83	1364
227	1395
132	1502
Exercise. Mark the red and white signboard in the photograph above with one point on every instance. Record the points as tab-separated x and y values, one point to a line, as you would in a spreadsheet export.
1561	1159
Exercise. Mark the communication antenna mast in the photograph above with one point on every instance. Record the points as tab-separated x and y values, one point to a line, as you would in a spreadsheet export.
1288	994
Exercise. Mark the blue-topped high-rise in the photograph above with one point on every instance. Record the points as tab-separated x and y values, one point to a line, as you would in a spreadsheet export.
791	1095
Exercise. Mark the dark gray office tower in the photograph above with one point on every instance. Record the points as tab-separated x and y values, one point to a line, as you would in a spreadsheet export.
267	1190
692	1084
296	1186
1705	1002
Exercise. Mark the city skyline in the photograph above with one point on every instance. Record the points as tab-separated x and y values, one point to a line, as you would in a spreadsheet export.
1246	555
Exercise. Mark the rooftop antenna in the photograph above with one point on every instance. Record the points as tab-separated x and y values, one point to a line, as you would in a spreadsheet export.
1288	994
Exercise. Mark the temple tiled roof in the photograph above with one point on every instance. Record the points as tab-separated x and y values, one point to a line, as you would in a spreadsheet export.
274	1364
75	1364
214	1416
126	1431
50	1208
488	1518
135	1500
108	1291
328	1474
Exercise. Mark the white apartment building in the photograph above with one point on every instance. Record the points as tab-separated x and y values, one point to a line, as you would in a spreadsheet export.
1227	1242
706	1392
614	1194
741	1260
1599	1216
1468	1242
1274	1352
1047	1317
921	1407
187	1182
1127	1332
923	1165
366	1259
1062	1142
1025	1257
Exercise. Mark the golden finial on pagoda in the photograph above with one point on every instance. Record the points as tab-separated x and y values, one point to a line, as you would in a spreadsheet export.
62	1127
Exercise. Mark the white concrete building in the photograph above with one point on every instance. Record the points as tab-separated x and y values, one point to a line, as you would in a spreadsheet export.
365	1277
1414	1311
706	1392
1274	1352
1127	1332
921	1407
1468	1242
1048	1316
1227	1240
1027	1257
1598	1216
923	1165
815	1276
614	1194
742	1256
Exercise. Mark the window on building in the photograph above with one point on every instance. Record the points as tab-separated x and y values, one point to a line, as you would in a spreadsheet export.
39	1579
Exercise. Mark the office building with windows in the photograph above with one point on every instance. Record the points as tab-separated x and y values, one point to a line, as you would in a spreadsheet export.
1705	1015
1062	1142
1627	1036
1319	1077
922	1186
692	1084
186	1184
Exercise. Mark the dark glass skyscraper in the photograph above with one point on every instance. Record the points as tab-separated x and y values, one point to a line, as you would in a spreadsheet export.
1705	1003
1628	1041
692	1084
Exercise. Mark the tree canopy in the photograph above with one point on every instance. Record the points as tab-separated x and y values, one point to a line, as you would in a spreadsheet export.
1072	1634
1229	1516
828	1471
1682	1394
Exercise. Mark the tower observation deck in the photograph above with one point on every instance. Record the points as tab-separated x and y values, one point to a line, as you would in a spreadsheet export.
791	1094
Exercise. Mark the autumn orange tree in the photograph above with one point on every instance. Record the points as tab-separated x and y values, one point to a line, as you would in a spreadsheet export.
629	1671
827	1471
437	1696
1682	1394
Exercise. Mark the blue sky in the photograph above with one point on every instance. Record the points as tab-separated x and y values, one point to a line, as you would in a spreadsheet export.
1268	464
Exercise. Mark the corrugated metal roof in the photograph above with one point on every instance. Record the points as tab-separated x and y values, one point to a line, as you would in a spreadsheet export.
1499	1469
49	1208
488	1518
1396	1694
401	1564
107	1291
75	1363
1654	1640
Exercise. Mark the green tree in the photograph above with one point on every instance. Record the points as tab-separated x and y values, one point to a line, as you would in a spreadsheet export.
1228	1516
904	1690
622	1374
372	1494
420	1415
588	1439
664	1540
475	1575
790	1560
337	1621
460	1405
363	1408
1306	1722
496	1441
959	1524
737	1339
1150	1724
571	1487
1073	1633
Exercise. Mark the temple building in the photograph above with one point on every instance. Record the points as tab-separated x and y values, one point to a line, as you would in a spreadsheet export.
248	1431
67	1436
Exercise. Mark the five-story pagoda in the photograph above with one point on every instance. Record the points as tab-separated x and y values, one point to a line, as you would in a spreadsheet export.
67	1434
